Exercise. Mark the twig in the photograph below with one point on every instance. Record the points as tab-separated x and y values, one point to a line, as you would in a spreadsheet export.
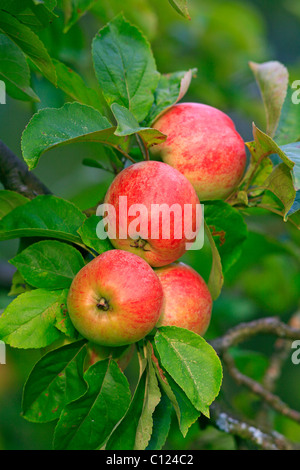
282	350
125	154
273	400
244	331
15	176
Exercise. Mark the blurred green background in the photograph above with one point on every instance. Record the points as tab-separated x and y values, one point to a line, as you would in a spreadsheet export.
220	40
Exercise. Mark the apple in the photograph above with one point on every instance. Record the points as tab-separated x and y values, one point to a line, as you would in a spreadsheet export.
115	299
122	354
203	144
187	301
159	237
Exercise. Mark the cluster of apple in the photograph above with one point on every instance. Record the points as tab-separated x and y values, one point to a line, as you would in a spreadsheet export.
122	294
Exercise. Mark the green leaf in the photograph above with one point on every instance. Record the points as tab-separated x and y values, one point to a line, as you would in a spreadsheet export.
265	146
263	150
161	423
296	205
73	85
125	67
264	170
292	151
171	89
88	233
151	400
86	422
75	10
123	436
30	44
185	411
135	429
216	277
18	285
259	168
62	319
55	380
280	183
14	71
29	320
128	125
49	264
44	216
228	230
288	129
272	78
13	6
36	14
181	7
90	162
295	218
9	200
74	122
192	363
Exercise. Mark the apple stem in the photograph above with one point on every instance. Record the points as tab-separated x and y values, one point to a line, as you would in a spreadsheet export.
142	146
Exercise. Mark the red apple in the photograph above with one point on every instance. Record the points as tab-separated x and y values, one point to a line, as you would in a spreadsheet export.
187	301
115	299
140	227
203	144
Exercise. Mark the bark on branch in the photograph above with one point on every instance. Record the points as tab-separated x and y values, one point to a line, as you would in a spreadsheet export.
245	331
224	421
15	176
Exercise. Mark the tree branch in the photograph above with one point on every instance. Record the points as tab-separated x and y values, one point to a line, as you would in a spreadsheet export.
15	176
255	387
243	332
282	350
223	421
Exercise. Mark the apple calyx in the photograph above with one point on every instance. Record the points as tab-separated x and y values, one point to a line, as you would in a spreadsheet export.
103	304
140	243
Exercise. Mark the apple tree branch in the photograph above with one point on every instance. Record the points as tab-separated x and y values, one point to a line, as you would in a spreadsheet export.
15	176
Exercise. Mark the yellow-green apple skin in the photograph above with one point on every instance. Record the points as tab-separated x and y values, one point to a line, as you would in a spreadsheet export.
203	144
115	299
187	301
151	183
